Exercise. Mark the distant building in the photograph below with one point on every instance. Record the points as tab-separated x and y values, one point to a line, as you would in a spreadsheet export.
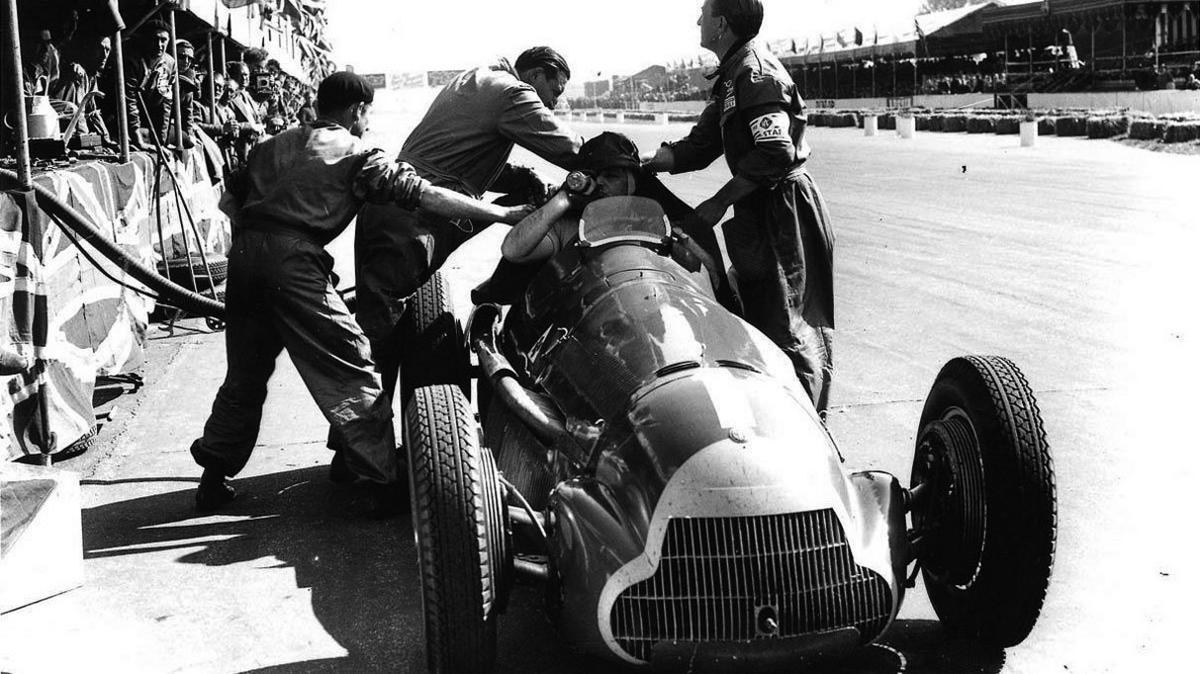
596	89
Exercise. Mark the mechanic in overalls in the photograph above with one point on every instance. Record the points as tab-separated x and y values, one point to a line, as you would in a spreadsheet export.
463	143
779	239
298	191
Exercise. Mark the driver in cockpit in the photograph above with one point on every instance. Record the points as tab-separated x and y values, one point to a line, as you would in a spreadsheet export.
611	161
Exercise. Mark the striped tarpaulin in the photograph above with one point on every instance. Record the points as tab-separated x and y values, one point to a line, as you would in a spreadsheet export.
58	309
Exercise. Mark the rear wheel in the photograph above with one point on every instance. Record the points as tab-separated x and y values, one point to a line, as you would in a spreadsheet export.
986	510
458	513
433	349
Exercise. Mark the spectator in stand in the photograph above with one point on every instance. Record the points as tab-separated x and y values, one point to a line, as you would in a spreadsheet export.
41	67
87	59
221	127
245	109
149	91
189	86
1192	83
307	114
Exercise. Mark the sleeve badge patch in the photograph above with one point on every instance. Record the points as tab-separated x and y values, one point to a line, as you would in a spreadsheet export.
772	126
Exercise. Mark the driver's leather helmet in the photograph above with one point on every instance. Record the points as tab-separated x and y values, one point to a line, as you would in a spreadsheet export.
608	150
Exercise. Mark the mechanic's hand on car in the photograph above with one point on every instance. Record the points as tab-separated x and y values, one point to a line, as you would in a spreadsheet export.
659	159
710	212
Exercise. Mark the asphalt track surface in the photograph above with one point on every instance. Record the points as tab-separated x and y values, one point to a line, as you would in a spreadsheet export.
1075	259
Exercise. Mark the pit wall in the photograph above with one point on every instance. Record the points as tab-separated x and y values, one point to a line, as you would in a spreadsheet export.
1155	102
58	311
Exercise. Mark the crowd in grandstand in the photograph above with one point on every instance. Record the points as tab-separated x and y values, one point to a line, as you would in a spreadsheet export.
247	99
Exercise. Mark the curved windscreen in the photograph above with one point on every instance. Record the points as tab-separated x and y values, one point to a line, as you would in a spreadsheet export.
616	219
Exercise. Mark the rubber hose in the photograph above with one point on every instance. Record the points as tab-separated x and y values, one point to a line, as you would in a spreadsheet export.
176	295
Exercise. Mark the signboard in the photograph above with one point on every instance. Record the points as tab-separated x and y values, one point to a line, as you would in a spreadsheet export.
440	78
376	80
901	102
824	103
408	80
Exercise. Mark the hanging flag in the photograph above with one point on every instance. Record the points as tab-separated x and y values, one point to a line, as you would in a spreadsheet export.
794	46
876	42
841	39
822	45
917	25
858	37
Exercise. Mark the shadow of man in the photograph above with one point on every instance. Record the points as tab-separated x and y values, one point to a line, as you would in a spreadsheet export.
362	573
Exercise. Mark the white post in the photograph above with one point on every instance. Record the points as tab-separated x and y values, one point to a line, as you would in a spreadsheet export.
1029	133
620	116
870	125
906	127
662	118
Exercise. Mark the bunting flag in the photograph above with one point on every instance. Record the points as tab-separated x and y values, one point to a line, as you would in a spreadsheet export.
57	307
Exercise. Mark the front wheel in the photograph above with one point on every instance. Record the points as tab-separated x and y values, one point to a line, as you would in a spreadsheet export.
985	518
458	515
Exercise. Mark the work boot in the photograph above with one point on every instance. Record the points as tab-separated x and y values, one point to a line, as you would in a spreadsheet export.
388	500
339	472
213	491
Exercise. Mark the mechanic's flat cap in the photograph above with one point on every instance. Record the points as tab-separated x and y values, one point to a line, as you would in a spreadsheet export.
343	89
609	150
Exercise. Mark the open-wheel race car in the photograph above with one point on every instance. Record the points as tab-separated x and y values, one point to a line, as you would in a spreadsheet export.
653	461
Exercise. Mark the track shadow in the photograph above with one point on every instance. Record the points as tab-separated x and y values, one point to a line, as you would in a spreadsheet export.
362	573
365	587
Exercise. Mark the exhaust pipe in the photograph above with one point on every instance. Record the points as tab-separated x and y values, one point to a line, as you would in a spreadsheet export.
542	418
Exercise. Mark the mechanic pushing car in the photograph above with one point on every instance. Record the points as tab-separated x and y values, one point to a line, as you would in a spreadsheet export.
297	192
463	143
779	239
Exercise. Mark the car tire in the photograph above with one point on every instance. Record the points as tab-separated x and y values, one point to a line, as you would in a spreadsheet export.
186	271
458	514
986	519
433	349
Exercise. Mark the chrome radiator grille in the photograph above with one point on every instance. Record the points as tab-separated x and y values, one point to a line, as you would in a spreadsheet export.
717	577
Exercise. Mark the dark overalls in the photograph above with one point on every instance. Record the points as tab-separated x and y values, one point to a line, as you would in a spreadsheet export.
463	143
779	239
298	191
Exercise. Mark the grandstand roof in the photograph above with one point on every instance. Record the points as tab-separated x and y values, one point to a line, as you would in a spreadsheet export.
942	28
1023	14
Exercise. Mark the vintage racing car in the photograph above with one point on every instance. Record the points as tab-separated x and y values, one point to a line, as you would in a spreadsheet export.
652	459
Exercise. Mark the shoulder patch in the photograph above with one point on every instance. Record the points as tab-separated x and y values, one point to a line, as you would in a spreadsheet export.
769	127
730	102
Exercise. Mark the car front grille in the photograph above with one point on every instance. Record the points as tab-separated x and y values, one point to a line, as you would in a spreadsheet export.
719	578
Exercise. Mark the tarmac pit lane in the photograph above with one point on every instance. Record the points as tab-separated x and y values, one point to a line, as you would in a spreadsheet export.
1074	258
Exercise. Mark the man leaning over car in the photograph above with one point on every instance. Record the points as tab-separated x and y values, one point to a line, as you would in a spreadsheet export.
297	192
